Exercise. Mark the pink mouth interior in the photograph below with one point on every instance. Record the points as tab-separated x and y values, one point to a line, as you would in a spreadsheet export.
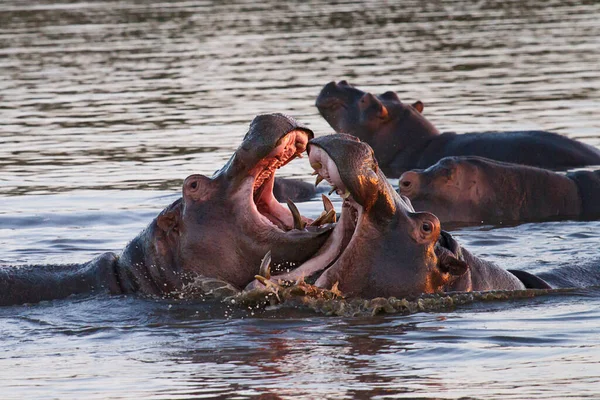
290	146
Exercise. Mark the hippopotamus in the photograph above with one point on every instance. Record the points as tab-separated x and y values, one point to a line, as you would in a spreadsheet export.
221	227
293	189
380	246
476	190
404	139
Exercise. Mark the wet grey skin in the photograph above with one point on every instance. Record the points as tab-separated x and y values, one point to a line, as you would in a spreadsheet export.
474	190
381	247
403	139
220	228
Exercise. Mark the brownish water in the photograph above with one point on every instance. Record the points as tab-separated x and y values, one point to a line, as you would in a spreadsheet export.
106	106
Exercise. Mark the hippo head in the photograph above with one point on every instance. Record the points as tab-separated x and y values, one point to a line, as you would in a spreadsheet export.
225	224
386	249
454	188
382	121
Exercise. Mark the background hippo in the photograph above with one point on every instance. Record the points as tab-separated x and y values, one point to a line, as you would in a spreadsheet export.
221	228
476	190
380	246
404	139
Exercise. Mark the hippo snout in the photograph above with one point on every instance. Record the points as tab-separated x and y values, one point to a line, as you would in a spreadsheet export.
409	183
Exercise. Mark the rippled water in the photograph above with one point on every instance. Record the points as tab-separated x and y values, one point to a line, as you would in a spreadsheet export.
106	106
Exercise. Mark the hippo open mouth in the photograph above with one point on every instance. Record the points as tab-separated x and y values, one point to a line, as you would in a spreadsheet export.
291	146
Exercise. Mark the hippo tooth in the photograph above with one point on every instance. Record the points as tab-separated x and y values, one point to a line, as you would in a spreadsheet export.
265	266
270	286
316	165
298	223
330	217
327	204
318	180
333	189
314	173
319	220
326	217
345	195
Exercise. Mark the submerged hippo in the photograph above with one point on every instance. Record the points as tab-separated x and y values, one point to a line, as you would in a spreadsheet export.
469	190
221	227
293	189
404	139
381	246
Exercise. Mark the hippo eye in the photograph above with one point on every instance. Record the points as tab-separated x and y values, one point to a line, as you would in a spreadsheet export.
427	227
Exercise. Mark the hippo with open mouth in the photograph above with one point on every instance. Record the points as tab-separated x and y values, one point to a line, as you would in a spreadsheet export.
476	190
220	228
404	139
380	246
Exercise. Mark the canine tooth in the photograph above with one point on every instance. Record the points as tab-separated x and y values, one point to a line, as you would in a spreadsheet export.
318	180
333	189
327	204
265	266
298	223
330	217
316	165
319	220
345	195
326	217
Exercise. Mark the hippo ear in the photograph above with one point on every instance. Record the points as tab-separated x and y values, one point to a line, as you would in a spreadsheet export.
168	221
418	105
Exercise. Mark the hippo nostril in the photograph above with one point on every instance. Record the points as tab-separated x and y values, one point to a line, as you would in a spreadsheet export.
406	184
194	185
343	82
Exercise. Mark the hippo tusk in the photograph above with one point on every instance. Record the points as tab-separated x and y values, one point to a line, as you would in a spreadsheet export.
326	217
333	189
265	266
318	180
298	223
316	165
327	204
345	195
